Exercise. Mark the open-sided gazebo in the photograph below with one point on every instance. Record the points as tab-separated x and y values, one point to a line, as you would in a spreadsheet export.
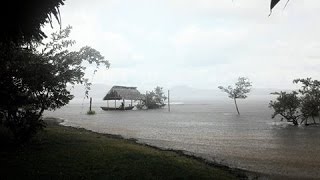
122	93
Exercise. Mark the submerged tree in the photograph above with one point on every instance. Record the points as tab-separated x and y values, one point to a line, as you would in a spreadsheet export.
240	91
34	81
301	105
155	99
286	105
310	98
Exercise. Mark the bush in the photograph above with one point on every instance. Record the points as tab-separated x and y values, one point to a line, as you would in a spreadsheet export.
287	106
92	112
301	105
24	124
155	99
139	106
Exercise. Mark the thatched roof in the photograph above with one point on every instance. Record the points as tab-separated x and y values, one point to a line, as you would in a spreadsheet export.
123	92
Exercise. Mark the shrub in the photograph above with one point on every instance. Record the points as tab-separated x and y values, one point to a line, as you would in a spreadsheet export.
92	112
155	99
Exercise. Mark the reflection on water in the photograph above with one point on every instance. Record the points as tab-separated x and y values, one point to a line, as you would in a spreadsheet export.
251	141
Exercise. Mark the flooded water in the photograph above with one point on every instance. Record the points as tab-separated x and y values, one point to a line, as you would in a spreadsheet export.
252	141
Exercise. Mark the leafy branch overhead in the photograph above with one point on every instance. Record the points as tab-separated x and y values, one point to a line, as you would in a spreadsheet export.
69	63
275	2
23	20
36	78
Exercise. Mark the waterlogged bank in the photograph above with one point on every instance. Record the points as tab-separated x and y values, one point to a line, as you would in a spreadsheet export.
252	141
70	153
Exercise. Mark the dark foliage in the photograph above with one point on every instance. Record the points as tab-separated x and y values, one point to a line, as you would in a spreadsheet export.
23	72
310	98
23	124
22	20
155	99
273	3
301	105
286	105
34	81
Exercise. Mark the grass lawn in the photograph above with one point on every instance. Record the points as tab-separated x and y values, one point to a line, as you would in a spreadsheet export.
69	153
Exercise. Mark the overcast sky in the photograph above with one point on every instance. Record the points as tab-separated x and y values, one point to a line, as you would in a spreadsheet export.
198	43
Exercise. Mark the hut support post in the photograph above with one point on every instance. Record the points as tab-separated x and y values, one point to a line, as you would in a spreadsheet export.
123	103
115	103
131	103
169	100
107	103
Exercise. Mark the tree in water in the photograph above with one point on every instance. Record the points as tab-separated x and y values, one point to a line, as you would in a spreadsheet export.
155	99
310	98
240	91
301	105
287	106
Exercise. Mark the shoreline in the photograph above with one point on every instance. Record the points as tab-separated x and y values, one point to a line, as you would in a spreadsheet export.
240	173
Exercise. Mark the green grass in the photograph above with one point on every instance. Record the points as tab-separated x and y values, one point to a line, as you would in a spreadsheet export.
69	153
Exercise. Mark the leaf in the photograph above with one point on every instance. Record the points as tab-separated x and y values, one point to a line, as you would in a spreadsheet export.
273	3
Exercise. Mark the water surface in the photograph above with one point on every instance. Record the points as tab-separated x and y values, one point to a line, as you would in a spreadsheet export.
252	141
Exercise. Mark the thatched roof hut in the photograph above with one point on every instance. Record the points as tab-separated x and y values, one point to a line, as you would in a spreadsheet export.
123	92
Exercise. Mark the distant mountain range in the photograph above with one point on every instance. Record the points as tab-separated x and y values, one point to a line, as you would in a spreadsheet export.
177	93
189	93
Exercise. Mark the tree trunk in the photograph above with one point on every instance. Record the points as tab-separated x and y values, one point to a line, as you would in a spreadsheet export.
235	102
314	121
90	104
306	123
41	112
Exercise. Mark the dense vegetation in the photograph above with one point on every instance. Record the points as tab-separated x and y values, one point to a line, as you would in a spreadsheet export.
301	106
154	99
22	20
34	74
35	79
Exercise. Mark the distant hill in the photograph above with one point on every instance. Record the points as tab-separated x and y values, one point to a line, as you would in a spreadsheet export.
185	93
178	94
97	92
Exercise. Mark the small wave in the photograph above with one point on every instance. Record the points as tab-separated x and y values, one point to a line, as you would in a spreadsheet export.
176	103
